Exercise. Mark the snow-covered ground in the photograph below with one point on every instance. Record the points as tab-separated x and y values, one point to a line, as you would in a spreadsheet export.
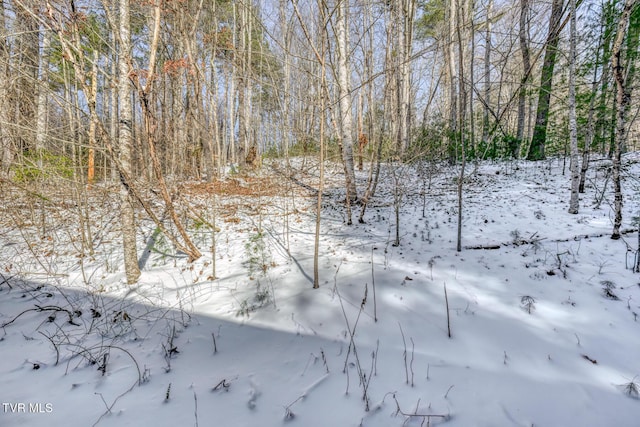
542	308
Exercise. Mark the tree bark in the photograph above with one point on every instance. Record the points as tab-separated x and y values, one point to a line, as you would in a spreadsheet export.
323	101
150	124
526	65
589	136
573	125
450	80
43	92
344	93
539	138
27	53
125	136
607	97
244	83
7	151
406	13
464	8
93	117
487	75
623	96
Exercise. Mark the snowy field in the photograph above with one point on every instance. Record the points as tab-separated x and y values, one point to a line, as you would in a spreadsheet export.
542	306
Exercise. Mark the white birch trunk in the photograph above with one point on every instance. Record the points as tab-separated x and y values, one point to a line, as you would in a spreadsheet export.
43	88
573	125
344	93
622	100
125	134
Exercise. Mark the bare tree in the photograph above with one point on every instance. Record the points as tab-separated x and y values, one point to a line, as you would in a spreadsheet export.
573	125
344	95
405	15
6	155
26	81
589	136
523	34
125	136
43	91
93	119
464	14
320	55
323	102
487	74
538	140
451	77
623	95
150	125
244	80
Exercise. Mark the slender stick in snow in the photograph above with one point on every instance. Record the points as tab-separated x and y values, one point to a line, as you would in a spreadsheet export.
446	300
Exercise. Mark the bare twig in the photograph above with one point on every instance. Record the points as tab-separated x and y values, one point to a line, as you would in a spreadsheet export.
288	413
413	347
41	309
195	400
425	417
222	385
6	280
373	284
324	360
448	390
404	354
364	382
446	300
109	407
54	346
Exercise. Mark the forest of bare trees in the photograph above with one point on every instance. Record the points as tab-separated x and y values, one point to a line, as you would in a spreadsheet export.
142	95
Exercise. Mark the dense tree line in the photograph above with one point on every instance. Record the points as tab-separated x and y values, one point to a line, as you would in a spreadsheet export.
141	91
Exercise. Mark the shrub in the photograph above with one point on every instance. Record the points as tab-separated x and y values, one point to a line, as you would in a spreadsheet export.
43	164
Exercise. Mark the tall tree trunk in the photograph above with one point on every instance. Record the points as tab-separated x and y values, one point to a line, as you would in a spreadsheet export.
631	57
606	98
151	126
623	95
487	75
405	13
125	137
539	138
361	141
43	92
244	83
589	136
113	98
231	113
450	80
27	54
573	125
526	65
470	32
7	151
93	117
371	135
391	97
286	89
344	93
463	7
323	101
216	150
